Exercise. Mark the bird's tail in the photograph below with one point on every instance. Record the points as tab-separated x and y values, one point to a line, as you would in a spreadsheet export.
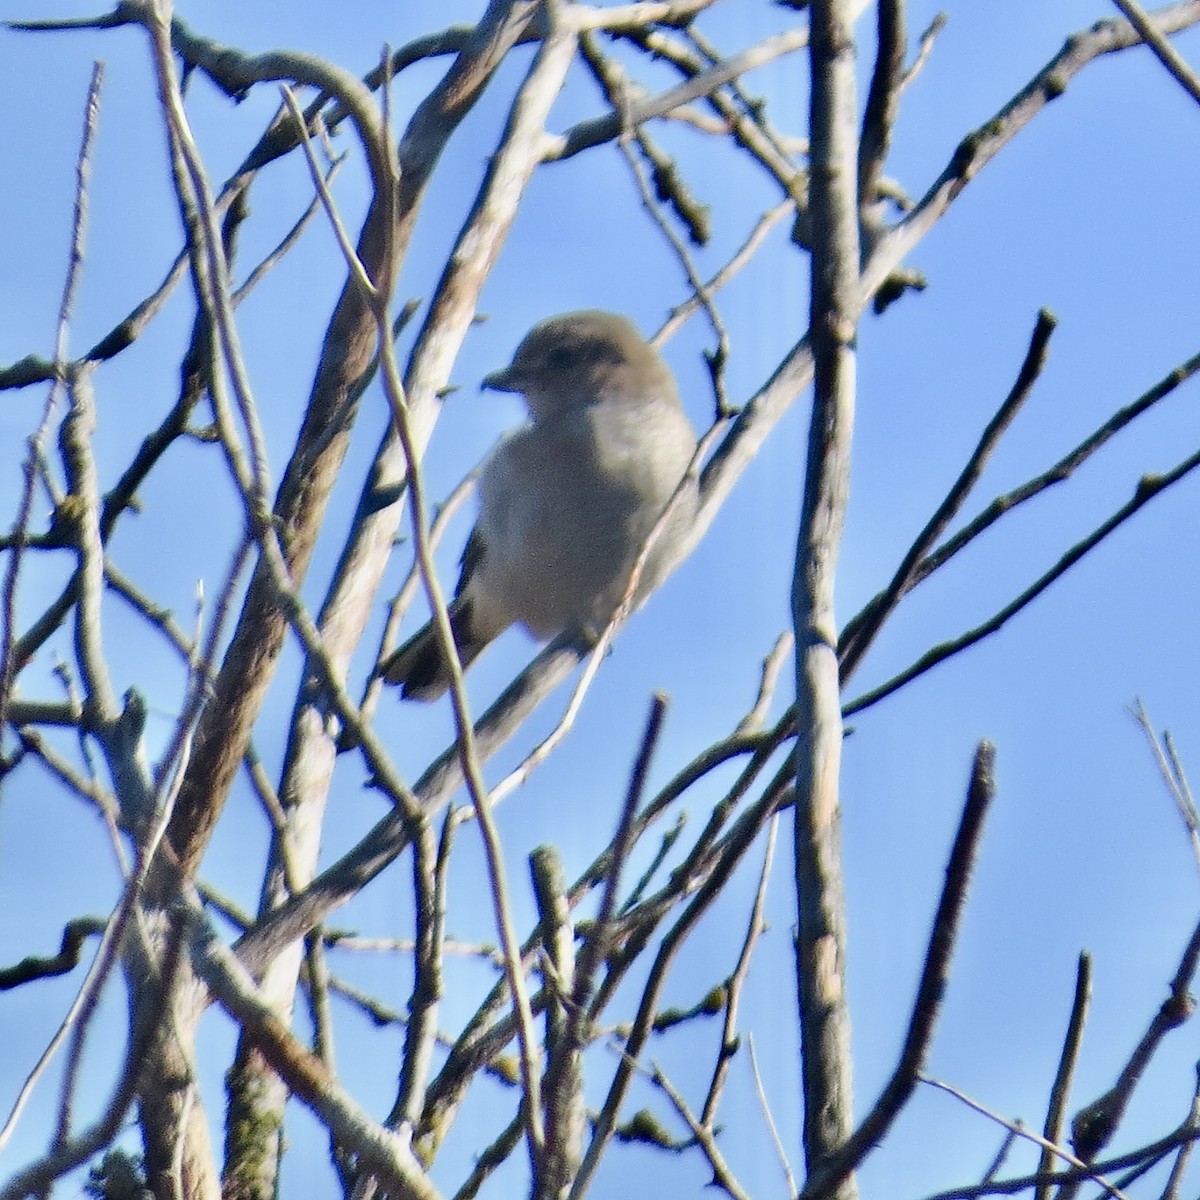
419	666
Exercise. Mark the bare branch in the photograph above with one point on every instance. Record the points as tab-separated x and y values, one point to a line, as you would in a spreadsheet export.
883	102
862	629
820	901
608	128
1061	1089
935	976
978	148
1022	1132
74	935
386	1154
924	50
730	1040
723	1177
1095	1124
1148	487
1166	54
1171	770
10	661
789	1176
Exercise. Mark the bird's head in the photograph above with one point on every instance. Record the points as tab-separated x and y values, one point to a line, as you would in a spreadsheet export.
583	358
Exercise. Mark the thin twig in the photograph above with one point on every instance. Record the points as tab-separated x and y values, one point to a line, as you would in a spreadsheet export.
789	1176
1058	1151
931	989
739	259
723	1177
860	632
1179	1166
924	50
717	358
1095	1124
1166	54
1172	772
1060	1092
755	928
9	664
1149	486
741	838
772	665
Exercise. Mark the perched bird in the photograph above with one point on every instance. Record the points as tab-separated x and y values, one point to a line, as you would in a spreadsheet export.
567	500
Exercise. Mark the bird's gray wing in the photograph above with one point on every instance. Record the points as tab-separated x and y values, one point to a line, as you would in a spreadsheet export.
418	666
472	556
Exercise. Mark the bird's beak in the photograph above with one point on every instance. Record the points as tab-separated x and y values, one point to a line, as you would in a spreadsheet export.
504	380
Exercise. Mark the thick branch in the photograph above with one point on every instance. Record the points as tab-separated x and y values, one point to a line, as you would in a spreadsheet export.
820	930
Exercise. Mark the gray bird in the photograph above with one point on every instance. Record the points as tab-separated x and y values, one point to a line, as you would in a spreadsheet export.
567	500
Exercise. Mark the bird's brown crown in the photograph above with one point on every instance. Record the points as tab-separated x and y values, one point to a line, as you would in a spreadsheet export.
584	357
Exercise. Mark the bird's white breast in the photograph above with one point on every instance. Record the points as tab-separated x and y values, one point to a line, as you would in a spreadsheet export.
566	503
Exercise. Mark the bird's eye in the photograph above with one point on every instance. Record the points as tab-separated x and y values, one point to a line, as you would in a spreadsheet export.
562	358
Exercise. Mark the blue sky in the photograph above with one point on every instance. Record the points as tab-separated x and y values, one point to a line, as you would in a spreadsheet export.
1091	212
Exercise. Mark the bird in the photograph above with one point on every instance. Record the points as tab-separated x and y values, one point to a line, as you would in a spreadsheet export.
568	499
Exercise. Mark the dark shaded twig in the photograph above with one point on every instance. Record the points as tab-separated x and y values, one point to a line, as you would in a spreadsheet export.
489	1159
883	102
1148	487
923	50
1061	470
861	631
1007	1143
289	239
669	185
741	837
1095	1124
596	944
1179	1166
75	933
730	1040
36	1178
932	987
1148	1155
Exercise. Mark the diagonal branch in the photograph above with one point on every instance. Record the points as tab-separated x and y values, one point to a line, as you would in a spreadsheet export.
861	631
935	977
1166	54
1148	487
